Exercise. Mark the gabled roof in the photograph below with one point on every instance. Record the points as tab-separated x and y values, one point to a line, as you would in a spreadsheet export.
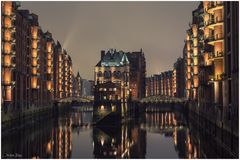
113	58
98	64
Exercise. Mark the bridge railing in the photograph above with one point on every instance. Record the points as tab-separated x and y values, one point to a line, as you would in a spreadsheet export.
70	99
162	99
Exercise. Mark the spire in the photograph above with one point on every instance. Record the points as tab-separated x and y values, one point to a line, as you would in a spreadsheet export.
78	75
124	59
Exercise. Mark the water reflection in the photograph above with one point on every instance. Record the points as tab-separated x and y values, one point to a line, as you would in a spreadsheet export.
154	135
123	141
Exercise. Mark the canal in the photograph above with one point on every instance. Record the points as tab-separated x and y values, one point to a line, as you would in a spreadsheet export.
162	134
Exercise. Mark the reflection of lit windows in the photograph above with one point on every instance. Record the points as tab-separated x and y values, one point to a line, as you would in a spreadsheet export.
113	108
102	141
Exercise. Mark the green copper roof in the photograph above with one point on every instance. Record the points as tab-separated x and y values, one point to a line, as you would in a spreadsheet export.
113	58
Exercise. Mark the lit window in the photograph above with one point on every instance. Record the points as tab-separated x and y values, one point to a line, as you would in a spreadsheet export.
49	47
113	108
7	47
7	60
7	35
34	44
8	94
8	8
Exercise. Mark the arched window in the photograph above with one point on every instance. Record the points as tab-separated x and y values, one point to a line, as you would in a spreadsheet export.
107	74
117	74
99	74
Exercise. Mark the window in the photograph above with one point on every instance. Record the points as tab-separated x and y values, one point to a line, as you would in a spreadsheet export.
107	74
99	74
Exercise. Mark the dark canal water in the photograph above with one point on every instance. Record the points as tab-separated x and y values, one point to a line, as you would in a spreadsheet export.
151	135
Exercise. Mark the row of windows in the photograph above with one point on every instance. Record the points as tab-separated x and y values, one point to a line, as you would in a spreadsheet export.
109	89
108	74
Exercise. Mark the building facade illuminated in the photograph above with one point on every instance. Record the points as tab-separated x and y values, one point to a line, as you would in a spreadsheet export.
214	36
28	61
67	75
63	74
58	71
22	73
112	70
49	47
178	78
192	53
217	92
8	17
112	91
160	85
137	74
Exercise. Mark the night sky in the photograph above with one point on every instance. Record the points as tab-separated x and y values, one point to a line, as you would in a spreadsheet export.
86	28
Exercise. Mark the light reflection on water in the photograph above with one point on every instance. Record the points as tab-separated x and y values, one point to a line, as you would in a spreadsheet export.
154	135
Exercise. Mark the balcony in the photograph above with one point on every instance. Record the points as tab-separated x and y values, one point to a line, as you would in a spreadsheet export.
12	16
10	65
10	39
217	55
212	6
7	83
218	77
36	38
36	65
12	53
211	23
216	38
211	78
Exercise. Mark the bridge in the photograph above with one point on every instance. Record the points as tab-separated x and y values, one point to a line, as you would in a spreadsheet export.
163	100
76	100
104	114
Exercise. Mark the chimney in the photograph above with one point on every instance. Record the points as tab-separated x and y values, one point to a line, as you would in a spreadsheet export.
102	54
